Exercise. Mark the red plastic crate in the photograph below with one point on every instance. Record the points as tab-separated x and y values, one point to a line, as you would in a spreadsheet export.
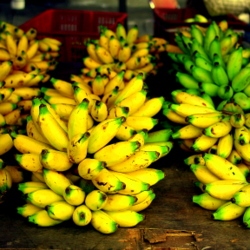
72	28
168	21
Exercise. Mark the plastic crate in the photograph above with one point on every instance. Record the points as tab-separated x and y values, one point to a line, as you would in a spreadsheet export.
168	21
72	28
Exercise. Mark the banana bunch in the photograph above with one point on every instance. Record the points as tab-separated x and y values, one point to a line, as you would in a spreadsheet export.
26	52
91	153
25	62
225	189
213	62
122	51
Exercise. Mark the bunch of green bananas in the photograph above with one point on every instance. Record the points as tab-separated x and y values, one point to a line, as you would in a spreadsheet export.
214	63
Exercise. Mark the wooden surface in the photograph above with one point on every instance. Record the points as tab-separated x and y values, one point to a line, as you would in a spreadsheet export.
172	222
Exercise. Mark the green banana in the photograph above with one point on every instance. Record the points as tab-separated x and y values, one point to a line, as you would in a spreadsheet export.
219	75
225	92
187	81
209	88
242	79
234	63
201	75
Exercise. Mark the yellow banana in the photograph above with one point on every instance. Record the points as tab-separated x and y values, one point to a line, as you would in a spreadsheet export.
226	171
74	195
189	131
96	200
29	161
27	209
56	181
6	143
225	145
82	215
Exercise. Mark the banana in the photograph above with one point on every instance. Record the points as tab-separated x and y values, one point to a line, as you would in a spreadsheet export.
243	168
203	143
30	186
189	131
25	144
60	210
134	102
13	117
132	185
74	195
201	75
241	80
215	48
96	200
5	182
138	160
118	111
246	218
116	153
159	135
224	189
5	69
114	46
29	161
77	147
124	53
173	116
196	48
237	120
194	159
141	122
90	63
241	99
151	107
148	175
132	86
226	171
228	211
63	110
6	143
77	122
51	129
242	135
42	219
103	222
113	86
185	109
107	182
163	148
241	196
89	168
27	209
203	174
187	80
55	160
204	120
218	129
7	107
209	88
197	34
126	218
16	173
103	55
82	215
99	111
42	197
103	133
234	63
11	43
56	181
247	120
90	47
65	88
132	34
145	203
202	62
205	200
225	145
125	132
119	202
219	75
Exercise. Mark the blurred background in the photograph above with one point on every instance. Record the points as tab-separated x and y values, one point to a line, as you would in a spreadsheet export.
139	11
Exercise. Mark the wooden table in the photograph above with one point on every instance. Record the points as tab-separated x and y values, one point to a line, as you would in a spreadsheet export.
172	222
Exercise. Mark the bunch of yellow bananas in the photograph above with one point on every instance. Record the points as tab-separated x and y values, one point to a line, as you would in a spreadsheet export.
213	62
25	62
122	51
89	154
